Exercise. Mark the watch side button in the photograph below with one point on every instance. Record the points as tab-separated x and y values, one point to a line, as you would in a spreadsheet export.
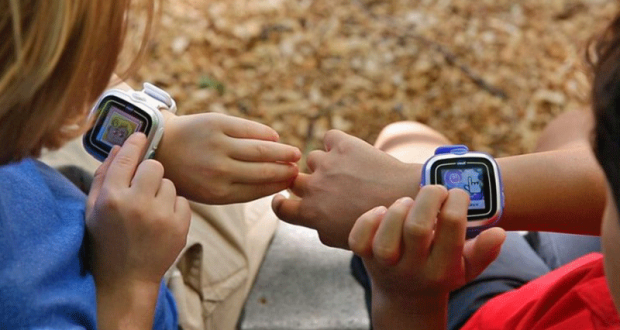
138	96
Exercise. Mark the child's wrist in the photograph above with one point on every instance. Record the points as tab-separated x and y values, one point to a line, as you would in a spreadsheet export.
395	311
126	304
167	143
167	115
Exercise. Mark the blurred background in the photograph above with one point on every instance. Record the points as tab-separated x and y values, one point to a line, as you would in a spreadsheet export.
486	73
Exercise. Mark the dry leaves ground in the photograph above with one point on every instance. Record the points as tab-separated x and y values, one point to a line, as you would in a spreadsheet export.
487	73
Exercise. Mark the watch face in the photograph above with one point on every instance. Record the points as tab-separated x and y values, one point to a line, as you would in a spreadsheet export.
116	120
475	176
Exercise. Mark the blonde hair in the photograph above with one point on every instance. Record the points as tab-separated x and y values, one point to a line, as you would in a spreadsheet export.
56	58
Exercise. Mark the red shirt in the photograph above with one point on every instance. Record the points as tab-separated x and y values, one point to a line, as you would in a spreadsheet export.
574	296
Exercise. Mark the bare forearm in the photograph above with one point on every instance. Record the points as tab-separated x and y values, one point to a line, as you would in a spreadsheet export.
559	191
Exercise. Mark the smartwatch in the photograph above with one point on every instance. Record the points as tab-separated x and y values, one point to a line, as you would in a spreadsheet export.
118	114
475	172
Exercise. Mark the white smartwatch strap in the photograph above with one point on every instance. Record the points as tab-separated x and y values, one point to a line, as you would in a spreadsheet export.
160	96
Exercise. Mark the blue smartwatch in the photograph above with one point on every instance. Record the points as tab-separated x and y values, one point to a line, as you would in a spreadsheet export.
475	172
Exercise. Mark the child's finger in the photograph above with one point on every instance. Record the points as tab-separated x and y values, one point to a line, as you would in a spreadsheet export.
450	233
386	246
263	151
100	176
363	231
183	212
314	158
249	192
167	192
300	184
420	223
124	165
246	129
287	209
482	251
148	177
253	173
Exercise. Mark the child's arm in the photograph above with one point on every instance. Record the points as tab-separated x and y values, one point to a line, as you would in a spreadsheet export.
561	190
218	159
137	226
416	253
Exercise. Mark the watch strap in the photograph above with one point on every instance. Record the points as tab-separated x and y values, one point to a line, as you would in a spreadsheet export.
457	149
161	96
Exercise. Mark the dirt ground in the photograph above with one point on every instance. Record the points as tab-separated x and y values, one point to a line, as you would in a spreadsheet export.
486	73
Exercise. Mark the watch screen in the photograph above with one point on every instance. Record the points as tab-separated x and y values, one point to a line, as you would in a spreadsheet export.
117	127
475	175
469	179
116	120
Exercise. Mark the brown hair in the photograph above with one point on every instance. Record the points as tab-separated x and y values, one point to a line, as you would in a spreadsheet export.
605	60
56	58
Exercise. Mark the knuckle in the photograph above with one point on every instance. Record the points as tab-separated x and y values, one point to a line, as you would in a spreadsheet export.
261	150
124	160
435	190
183	205
215	169
453	216
416	230
216	120
330	134
359	247
139	208
220	168
313	157
154	166
110	199
168	184
220	192
342	147
385	254
266	172
292	152
355	245
459	193
436	279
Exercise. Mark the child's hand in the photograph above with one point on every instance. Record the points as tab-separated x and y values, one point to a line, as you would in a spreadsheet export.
416	253
217	159
136	222
137	226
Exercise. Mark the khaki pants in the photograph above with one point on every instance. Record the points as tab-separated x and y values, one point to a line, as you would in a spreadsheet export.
225	247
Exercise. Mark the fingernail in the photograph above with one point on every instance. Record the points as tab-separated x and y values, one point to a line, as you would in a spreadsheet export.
406	201
379	210
138	134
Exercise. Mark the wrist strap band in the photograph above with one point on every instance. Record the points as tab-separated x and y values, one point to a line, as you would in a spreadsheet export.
161	96
457	149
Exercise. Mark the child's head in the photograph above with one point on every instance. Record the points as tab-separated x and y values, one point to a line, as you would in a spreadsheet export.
606	107
56	58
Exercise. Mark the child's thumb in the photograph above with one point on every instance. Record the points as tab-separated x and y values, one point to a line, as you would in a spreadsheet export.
481	251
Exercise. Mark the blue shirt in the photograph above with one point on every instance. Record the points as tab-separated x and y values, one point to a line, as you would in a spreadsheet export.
43	280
